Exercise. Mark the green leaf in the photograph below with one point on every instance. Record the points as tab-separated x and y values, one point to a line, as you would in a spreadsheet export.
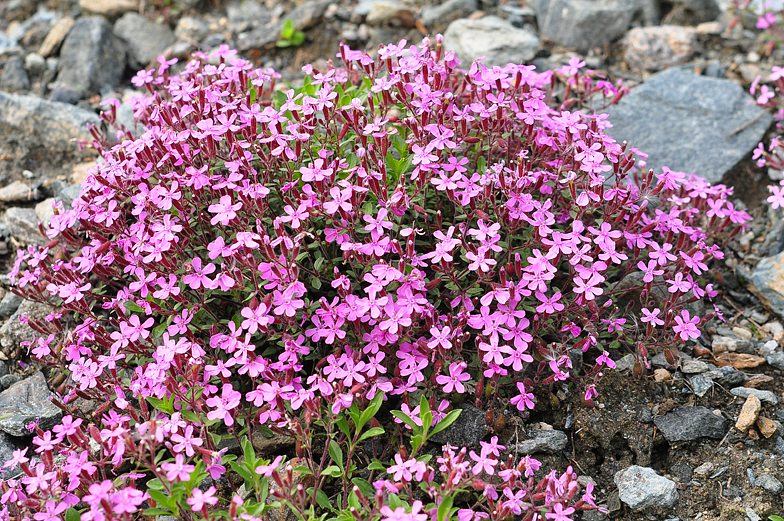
373	431
405	419
242	471
322	499
165	406
370	411
249	453
444	508
73	515
332	471
148	512
776	518
342	424
424	414
288	30
315	283
283	43
336	453
298	38
376	465
365	487
448	420
131	307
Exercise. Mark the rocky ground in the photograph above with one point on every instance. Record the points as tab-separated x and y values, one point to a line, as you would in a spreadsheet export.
700	439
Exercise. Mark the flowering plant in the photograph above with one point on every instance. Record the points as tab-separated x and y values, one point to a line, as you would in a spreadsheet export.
263	261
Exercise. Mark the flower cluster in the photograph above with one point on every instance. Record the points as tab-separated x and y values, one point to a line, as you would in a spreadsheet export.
262	258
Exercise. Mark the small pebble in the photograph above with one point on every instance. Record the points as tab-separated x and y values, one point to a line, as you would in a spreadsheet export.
750	475
749	413
704	469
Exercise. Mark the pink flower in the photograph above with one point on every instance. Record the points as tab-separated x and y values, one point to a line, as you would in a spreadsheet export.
199	499
225	211
524	400
222	405
454	382
686	327
178	471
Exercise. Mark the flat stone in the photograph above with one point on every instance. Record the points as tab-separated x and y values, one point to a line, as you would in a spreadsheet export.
641	488
661	375
776	360
658	47
438	17
676	115
748	413
585	25
23	225
108	8
55	37
725	344
15	78
693	12
146	40
701	384
770	484
387	11
45	211
739	360
704	469
694	367
494	38
18	192
92	58
727	376
765	396
547	441
468	429
27	401
626	363
690	423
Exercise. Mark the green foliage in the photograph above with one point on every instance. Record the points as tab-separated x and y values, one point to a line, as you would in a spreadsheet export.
290	36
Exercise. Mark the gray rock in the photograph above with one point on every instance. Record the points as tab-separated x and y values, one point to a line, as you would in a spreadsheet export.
701	384
770	484
468	429
626	363
6	43
23	225
767	282
39	134
247	13
92	58
35	62
676	115
765	396
715	70
19	192
722	344
8	380
7	448
386	11
690	423
15	76
494	38
304	17
641	488
65	192
191	29
776	360
693	12
658	47
585	25
27	401
727	376
438	17
543	441
13	332
9	305
694	367
3	368
145	39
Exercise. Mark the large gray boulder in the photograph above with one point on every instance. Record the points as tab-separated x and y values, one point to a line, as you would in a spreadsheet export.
25	402
92	58
689	123
492	37
146	40
586	24
40	135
